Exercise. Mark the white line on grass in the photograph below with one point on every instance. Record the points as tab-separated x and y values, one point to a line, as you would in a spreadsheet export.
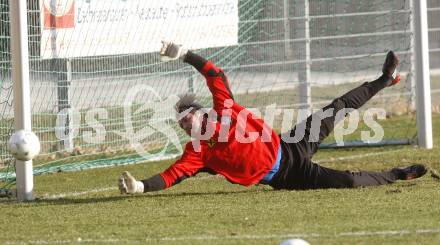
309	235
239	237
78	240
75	194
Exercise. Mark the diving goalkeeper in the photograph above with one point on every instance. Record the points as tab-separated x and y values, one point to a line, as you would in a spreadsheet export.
231	150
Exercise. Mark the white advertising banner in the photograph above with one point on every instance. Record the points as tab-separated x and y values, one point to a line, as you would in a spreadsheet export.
78	28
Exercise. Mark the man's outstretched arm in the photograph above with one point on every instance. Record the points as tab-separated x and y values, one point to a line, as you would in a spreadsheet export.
188	165
215	78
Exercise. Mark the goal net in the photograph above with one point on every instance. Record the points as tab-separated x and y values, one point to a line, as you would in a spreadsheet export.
101	96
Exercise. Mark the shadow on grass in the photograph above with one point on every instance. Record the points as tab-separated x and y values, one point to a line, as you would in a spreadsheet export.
74	201
395	188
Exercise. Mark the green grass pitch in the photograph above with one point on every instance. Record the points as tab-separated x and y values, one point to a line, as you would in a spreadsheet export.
86	207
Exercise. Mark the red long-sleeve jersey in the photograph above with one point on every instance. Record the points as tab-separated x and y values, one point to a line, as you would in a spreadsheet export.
244	161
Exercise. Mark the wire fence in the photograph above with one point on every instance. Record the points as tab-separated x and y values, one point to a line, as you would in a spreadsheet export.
339	42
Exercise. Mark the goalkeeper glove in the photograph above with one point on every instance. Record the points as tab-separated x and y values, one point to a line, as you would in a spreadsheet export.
129	185
172	51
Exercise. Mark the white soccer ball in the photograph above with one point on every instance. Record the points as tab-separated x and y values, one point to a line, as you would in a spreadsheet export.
294	242
24	145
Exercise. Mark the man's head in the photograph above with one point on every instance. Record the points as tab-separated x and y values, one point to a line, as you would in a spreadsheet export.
190	115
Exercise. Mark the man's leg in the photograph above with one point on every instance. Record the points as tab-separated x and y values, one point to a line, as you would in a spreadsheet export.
353	99
298	172
303	174
330	178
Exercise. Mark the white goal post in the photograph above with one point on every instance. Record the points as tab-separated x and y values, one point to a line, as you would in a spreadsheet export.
21	87
423	81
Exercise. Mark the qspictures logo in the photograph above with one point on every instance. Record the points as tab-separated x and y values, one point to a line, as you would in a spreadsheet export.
59	14
151	137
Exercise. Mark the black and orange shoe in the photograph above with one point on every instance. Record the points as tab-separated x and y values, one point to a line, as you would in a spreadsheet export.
411	172
389	67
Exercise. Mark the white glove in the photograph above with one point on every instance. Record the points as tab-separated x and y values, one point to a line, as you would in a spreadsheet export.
128	185
171	51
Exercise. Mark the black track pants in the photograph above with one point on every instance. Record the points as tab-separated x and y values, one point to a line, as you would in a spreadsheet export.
297	171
